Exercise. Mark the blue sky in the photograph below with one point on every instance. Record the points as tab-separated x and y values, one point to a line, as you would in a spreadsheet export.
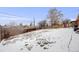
26	14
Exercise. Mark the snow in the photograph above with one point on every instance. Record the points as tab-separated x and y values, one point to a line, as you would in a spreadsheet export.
45	40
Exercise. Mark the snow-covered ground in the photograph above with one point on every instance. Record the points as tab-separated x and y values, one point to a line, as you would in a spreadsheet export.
52	40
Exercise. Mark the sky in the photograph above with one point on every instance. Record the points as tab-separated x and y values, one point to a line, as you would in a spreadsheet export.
27	14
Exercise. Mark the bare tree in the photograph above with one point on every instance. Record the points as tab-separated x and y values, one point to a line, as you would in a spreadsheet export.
21	24
42	24
3	33
67	21
55	16
12	23
0	33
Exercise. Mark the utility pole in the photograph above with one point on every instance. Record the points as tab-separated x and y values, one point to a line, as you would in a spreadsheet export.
33	21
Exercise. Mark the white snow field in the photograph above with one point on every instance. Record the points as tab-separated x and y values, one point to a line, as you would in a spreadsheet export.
45	40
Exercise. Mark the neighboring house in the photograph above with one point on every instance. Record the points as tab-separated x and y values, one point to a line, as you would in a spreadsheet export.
76	22
73	23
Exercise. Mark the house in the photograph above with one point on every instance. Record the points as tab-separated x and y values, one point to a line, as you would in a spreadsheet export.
77	20
72	23
75	24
